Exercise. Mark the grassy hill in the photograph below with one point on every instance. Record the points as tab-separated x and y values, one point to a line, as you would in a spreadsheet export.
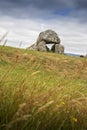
42	91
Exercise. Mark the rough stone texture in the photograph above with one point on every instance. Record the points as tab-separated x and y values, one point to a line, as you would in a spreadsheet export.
59	48
53	48
48	50
33	47
49	37
41	46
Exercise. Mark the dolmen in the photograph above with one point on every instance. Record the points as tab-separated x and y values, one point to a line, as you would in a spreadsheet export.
48	37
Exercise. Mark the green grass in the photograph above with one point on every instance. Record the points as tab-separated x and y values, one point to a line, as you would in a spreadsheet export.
42	91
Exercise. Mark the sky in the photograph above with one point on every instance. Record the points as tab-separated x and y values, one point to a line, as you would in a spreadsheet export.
25	19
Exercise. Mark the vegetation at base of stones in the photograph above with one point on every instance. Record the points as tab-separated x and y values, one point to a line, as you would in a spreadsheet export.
48	37
83	56
42	91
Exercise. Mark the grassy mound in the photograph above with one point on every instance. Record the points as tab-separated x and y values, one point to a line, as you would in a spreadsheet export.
42	91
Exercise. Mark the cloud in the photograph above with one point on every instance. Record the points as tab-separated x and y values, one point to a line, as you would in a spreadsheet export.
81	4
38	3
25	19
43	9
71	32
30	8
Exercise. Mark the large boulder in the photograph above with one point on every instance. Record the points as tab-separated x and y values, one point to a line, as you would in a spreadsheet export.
41	46
49	37
57	48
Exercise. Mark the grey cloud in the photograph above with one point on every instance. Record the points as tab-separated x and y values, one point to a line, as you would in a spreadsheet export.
31	8
38	3
48	4
81	4
40	8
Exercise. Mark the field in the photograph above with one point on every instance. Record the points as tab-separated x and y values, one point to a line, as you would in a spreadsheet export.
42	91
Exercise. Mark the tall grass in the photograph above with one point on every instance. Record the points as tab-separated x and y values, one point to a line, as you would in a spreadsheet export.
42	91
3	37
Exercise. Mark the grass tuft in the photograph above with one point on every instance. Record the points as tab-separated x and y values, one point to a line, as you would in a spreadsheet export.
42	91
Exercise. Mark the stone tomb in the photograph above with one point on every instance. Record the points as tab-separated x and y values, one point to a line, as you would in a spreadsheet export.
45	38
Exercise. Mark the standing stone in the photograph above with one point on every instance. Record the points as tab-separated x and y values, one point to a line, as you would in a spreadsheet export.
53	48
41	46
59	48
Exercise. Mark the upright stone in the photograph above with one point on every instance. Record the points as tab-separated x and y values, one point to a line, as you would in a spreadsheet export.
41	46
59	48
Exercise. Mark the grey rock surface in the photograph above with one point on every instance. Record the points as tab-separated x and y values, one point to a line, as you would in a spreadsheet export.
49	37
53	48
32	47
59	48
41	46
